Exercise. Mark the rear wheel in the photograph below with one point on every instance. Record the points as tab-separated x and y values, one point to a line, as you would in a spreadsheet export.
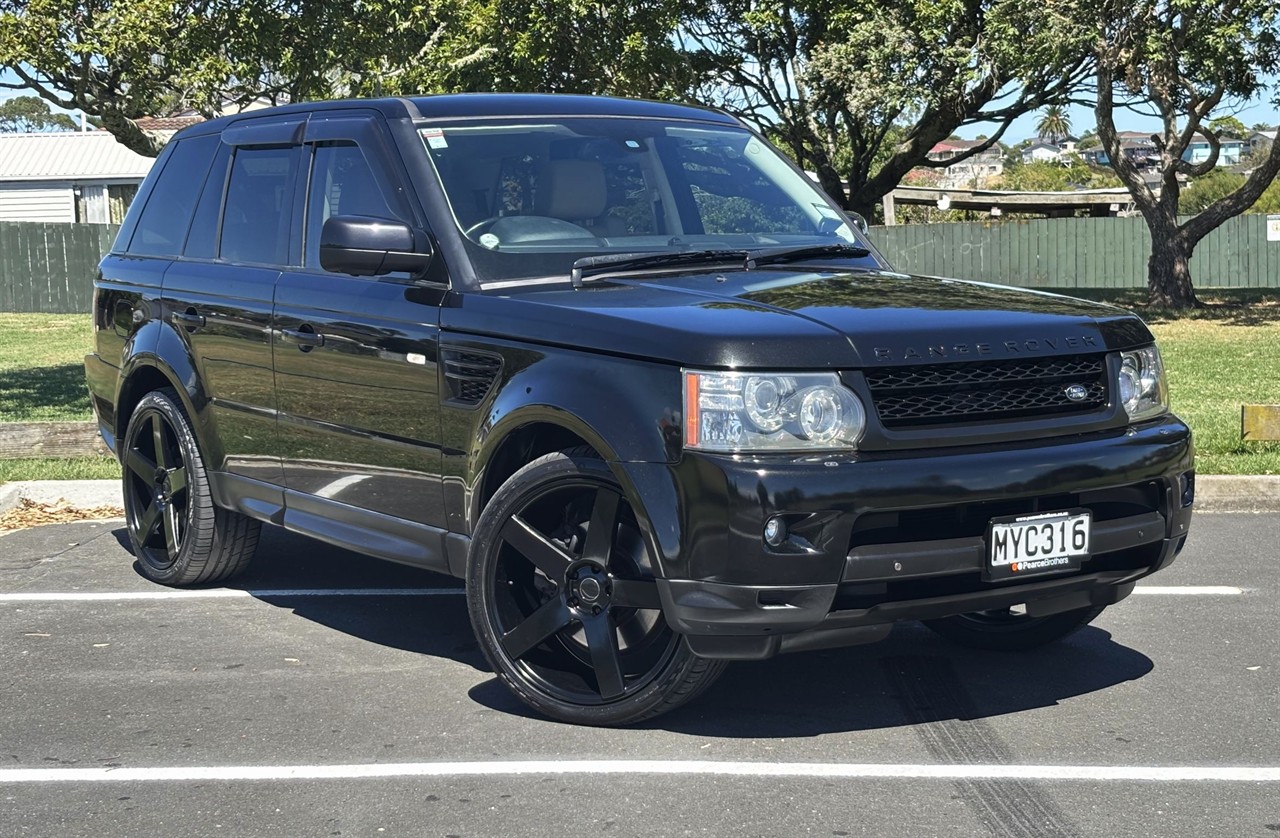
179	536
561	592
1011	629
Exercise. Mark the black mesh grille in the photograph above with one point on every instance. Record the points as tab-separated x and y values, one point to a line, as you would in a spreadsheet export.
470	375
945	393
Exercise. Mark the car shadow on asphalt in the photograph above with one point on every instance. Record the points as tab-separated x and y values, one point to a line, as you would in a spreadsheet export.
427	625
912	677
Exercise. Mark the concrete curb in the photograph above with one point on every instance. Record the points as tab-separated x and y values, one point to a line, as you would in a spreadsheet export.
82	494
1214	493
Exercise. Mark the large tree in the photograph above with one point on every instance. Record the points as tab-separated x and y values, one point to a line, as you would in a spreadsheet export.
620	47
121	60
1054	124
22	114
860	92
1182	60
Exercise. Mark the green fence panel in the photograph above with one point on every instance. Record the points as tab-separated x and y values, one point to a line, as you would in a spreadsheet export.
50	267
1076	252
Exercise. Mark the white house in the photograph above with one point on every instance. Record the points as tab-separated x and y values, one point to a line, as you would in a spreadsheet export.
1041	152
83	176
971	172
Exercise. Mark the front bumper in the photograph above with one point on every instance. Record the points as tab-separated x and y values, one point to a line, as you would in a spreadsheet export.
877	538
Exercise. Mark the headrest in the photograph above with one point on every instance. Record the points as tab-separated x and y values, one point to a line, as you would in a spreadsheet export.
572	189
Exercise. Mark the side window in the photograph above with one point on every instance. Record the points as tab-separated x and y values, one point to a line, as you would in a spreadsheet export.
162	227
341	184
630	199
202	241
259	205
733	196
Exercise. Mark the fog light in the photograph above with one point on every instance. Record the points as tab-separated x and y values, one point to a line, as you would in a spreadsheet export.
775	531
1187	483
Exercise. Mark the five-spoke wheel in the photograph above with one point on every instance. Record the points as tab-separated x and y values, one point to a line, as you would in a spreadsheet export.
563	599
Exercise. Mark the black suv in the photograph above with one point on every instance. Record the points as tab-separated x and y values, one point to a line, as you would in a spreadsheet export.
625	370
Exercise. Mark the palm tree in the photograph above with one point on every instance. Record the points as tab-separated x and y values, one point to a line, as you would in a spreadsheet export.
1054	124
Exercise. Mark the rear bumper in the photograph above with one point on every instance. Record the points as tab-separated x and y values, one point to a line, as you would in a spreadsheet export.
877	539
103	381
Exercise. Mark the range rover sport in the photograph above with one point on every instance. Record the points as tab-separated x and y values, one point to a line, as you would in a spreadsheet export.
625	370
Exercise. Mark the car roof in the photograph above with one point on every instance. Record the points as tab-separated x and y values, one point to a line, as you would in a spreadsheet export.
470	105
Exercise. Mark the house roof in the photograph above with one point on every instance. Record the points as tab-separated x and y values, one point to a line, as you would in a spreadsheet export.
68	155
955	145
167	123
1043	144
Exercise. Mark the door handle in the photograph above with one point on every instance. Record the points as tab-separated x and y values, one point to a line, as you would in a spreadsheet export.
189	318
303	338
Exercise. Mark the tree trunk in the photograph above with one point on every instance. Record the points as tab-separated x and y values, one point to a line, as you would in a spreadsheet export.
1169	273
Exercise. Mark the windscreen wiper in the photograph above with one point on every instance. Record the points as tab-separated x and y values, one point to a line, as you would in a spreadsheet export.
615	262
777	255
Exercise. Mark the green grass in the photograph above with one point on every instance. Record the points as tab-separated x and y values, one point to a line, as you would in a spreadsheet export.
52	468
42	367
1219	357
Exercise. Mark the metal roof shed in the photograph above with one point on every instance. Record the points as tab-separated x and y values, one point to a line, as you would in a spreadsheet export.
69	176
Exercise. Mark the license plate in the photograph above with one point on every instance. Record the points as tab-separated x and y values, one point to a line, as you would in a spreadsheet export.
1045	542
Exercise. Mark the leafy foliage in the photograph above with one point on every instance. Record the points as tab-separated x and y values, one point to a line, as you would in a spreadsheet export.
23	114
1072	173
1054	124
860	92
1183	60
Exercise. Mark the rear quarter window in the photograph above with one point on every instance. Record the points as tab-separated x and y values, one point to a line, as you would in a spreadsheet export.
162	227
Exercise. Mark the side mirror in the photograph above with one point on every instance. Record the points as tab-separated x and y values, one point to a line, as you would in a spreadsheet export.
367	246
859	221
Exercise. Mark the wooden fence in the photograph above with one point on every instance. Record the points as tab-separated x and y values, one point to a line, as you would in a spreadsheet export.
50	267
1077	252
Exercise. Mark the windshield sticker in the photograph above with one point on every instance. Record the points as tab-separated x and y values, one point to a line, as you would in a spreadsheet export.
435	137
490	241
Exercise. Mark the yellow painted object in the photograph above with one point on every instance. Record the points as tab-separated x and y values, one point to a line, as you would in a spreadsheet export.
1259	422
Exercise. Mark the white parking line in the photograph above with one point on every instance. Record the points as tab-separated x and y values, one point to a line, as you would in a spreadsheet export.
1188	590
224	593
269	593
1173	773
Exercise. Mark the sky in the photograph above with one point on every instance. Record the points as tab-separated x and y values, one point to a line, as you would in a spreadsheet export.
1082	120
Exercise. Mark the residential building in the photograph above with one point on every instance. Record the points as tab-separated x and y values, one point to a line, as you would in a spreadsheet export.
973	171
84	176
1229	154
1042	151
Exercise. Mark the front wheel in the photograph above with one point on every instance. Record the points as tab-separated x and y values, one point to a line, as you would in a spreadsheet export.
1011	630
562	597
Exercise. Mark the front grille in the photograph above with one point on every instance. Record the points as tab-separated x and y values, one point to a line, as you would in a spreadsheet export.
470	375
936	394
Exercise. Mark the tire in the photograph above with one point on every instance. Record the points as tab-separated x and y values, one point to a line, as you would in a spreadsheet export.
1006	631
179	536
572	623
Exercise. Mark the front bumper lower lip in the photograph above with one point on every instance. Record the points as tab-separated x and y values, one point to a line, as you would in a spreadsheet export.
752	622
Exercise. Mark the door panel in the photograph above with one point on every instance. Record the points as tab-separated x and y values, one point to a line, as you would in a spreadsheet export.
224	316
356	379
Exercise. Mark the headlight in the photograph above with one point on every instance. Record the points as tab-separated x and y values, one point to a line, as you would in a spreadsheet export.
751	411
1140	385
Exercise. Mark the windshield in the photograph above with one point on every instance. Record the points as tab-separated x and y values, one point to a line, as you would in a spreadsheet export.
534	195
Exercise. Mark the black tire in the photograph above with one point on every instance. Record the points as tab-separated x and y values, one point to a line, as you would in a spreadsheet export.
570	623
179	536
1007	631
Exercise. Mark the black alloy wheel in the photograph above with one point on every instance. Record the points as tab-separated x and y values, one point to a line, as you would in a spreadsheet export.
1011	629
157	499
179	536
562	596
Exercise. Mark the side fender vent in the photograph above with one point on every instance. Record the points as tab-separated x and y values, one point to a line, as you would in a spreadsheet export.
470	375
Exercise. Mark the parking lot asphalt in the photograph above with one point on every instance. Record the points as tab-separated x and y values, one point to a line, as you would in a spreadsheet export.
263	709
